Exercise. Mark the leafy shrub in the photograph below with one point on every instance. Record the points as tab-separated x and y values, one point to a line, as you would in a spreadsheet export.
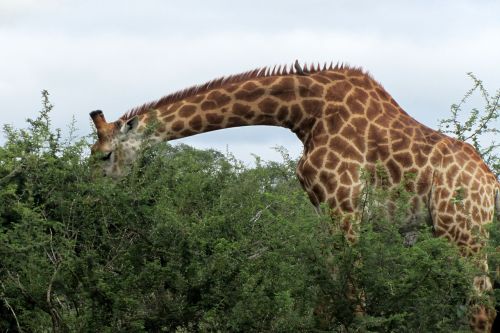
195	241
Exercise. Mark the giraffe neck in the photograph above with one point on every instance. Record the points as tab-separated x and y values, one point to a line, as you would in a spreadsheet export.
292	101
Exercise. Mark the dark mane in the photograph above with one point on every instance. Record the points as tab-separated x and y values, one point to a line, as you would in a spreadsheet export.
236	78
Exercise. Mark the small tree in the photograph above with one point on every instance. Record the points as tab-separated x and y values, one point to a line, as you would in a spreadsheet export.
478	127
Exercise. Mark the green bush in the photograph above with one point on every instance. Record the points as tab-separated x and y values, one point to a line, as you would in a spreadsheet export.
195	241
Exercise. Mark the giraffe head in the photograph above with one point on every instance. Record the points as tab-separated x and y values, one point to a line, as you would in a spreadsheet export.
117	144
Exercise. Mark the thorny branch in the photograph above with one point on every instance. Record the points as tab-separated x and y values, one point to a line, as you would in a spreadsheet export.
477	124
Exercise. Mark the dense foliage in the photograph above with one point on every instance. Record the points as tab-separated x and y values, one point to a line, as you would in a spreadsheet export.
194	241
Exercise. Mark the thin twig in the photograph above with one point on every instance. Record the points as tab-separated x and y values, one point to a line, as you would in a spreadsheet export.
54	258
12	310
257	216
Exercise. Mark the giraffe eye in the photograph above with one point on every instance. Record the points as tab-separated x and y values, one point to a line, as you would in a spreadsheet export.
106	156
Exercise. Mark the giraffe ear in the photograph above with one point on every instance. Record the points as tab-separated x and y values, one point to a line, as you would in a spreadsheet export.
130	125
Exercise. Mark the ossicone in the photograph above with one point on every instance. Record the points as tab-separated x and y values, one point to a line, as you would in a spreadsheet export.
104	129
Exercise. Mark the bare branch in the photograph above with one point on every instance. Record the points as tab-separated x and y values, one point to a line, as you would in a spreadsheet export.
12	310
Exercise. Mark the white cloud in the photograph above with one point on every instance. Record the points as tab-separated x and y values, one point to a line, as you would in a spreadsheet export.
103	55
242	143
11	11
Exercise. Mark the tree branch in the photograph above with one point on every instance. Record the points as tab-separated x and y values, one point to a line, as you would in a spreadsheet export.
12	310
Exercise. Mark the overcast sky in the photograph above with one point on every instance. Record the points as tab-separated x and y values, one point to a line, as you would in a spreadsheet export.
114	55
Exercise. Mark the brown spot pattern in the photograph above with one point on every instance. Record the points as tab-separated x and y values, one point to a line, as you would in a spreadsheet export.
348	122
196	123
284	90
313	107
268	105
338	91
214	118
187	111
250	96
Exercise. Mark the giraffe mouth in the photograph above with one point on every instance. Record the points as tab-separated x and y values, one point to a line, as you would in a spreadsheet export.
106	156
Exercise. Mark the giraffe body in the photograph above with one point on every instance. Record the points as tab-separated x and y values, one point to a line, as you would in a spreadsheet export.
347	122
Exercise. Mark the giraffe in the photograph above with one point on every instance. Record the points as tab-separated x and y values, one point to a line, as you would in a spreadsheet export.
347	122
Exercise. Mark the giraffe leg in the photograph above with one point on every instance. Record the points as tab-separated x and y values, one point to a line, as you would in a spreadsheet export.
351	296
452	220
482	316
350	225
